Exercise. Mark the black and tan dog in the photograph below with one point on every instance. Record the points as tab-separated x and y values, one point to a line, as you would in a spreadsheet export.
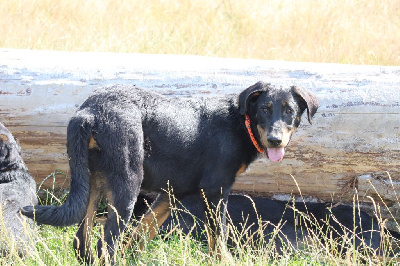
124	139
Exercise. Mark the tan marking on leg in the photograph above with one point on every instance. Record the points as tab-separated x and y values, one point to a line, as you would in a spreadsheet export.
92	143
96	188
88	228
149	224
241	169
157	218
214	246
211	241
211	221
3	137
105	256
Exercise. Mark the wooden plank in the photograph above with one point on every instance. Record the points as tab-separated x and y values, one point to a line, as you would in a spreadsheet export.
355	133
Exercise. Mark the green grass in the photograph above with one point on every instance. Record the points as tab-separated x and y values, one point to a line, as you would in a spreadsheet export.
53	246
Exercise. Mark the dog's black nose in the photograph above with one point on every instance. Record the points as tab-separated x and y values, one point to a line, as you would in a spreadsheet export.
273	141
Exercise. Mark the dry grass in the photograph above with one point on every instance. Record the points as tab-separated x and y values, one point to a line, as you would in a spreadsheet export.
53	246
357	32
48	245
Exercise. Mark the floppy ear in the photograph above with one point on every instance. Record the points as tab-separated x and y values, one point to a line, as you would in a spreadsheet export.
249	93
308	99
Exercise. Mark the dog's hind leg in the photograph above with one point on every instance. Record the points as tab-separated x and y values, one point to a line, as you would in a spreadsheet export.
121	201
152	220
122	152
84	237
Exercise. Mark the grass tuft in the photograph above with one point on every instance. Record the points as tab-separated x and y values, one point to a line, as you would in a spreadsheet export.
49	245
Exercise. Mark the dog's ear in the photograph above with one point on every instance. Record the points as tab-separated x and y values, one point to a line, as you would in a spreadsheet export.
308	99
250	94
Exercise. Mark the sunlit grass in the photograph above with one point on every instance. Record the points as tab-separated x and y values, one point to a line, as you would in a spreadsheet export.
50	245
357	32
53	246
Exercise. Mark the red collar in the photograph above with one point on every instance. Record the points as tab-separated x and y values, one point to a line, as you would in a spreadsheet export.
253	139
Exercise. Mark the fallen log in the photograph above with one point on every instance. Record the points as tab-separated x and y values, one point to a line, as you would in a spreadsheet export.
353	144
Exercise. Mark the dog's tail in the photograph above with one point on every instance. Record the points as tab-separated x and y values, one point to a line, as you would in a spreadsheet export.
74	209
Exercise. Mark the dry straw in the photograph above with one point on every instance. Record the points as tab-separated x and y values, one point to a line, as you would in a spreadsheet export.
340	31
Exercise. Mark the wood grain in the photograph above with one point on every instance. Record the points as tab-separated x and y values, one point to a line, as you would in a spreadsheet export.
355	136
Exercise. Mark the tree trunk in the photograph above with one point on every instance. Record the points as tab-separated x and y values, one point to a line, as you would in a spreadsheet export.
353	144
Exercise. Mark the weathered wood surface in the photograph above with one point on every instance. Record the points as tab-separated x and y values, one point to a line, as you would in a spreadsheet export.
353	142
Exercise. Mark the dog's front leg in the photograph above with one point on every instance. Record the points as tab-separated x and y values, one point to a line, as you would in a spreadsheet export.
151	221
215	211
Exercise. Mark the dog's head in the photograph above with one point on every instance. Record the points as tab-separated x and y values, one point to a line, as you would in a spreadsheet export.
275	114
9	150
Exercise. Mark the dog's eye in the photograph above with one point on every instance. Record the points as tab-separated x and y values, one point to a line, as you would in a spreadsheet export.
265	109
289	111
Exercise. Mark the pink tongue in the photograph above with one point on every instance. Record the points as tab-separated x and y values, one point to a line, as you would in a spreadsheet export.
276	154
